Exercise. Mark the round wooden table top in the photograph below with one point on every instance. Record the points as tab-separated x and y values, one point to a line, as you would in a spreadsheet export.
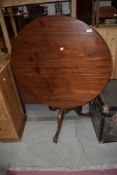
61	61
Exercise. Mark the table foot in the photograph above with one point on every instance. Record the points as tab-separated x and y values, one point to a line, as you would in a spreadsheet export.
59	121
55	139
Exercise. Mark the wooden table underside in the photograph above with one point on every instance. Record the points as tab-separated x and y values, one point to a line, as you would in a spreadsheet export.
60	61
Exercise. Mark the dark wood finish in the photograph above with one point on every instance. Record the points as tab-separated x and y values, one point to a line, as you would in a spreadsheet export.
93	12
97	12
102	12
108	12
84	10
59	63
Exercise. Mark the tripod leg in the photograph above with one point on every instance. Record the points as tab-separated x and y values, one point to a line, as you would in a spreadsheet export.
60	121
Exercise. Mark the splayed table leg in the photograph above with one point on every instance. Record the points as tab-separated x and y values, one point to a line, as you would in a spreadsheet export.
60	121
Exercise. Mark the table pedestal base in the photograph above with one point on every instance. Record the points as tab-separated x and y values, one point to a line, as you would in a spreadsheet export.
60	118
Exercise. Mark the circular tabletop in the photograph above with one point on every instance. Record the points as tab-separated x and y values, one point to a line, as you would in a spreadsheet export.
61	61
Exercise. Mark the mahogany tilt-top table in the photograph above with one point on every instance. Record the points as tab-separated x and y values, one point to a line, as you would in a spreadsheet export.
62	62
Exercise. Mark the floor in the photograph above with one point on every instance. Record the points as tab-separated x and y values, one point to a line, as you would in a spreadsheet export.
82	172
77	148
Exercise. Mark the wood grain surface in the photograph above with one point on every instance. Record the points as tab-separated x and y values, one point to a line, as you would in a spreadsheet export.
12	116
61	61
109	34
